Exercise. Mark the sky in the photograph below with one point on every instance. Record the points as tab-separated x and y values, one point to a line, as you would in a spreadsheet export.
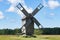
48	16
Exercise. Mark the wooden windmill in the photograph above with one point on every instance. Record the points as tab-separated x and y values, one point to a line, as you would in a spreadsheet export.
29	20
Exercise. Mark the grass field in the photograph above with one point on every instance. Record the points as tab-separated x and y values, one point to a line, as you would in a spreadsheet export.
38	37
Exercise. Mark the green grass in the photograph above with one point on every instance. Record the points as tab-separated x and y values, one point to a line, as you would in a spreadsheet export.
38	37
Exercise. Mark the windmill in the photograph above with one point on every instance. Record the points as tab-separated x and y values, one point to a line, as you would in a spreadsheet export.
29	19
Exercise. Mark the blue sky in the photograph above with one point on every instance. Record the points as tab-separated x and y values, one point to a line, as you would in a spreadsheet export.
10	16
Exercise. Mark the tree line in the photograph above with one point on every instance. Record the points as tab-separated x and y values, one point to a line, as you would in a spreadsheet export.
9	31
43	31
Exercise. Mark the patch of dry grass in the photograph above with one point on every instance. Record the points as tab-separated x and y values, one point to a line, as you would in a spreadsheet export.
38	37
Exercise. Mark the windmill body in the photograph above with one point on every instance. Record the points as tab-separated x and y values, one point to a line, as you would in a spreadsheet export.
29	20
27	29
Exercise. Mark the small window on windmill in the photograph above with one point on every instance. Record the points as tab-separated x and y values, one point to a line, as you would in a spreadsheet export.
21	8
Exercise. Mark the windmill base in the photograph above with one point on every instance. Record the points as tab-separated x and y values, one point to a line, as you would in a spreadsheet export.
29	30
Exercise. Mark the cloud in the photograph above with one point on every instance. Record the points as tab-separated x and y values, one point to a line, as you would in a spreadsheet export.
1	0
44	3
12	1
15	1
1	15
52	14
49	14
52	4
12	8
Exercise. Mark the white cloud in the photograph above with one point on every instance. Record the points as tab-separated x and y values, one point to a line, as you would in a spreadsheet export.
52	14
1	15
12	1
29	10
1	0
15	1
12	8
44	3
52	4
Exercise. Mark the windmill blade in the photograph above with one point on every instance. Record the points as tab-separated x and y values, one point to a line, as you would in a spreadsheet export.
39	7
20	7
37	23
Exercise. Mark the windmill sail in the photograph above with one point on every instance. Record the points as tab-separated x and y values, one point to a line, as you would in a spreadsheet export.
20	7
37	23
40	6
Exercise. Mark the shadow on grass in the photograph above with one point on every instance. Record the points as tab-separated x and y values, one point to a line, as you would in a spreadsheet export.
29	36
47	38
